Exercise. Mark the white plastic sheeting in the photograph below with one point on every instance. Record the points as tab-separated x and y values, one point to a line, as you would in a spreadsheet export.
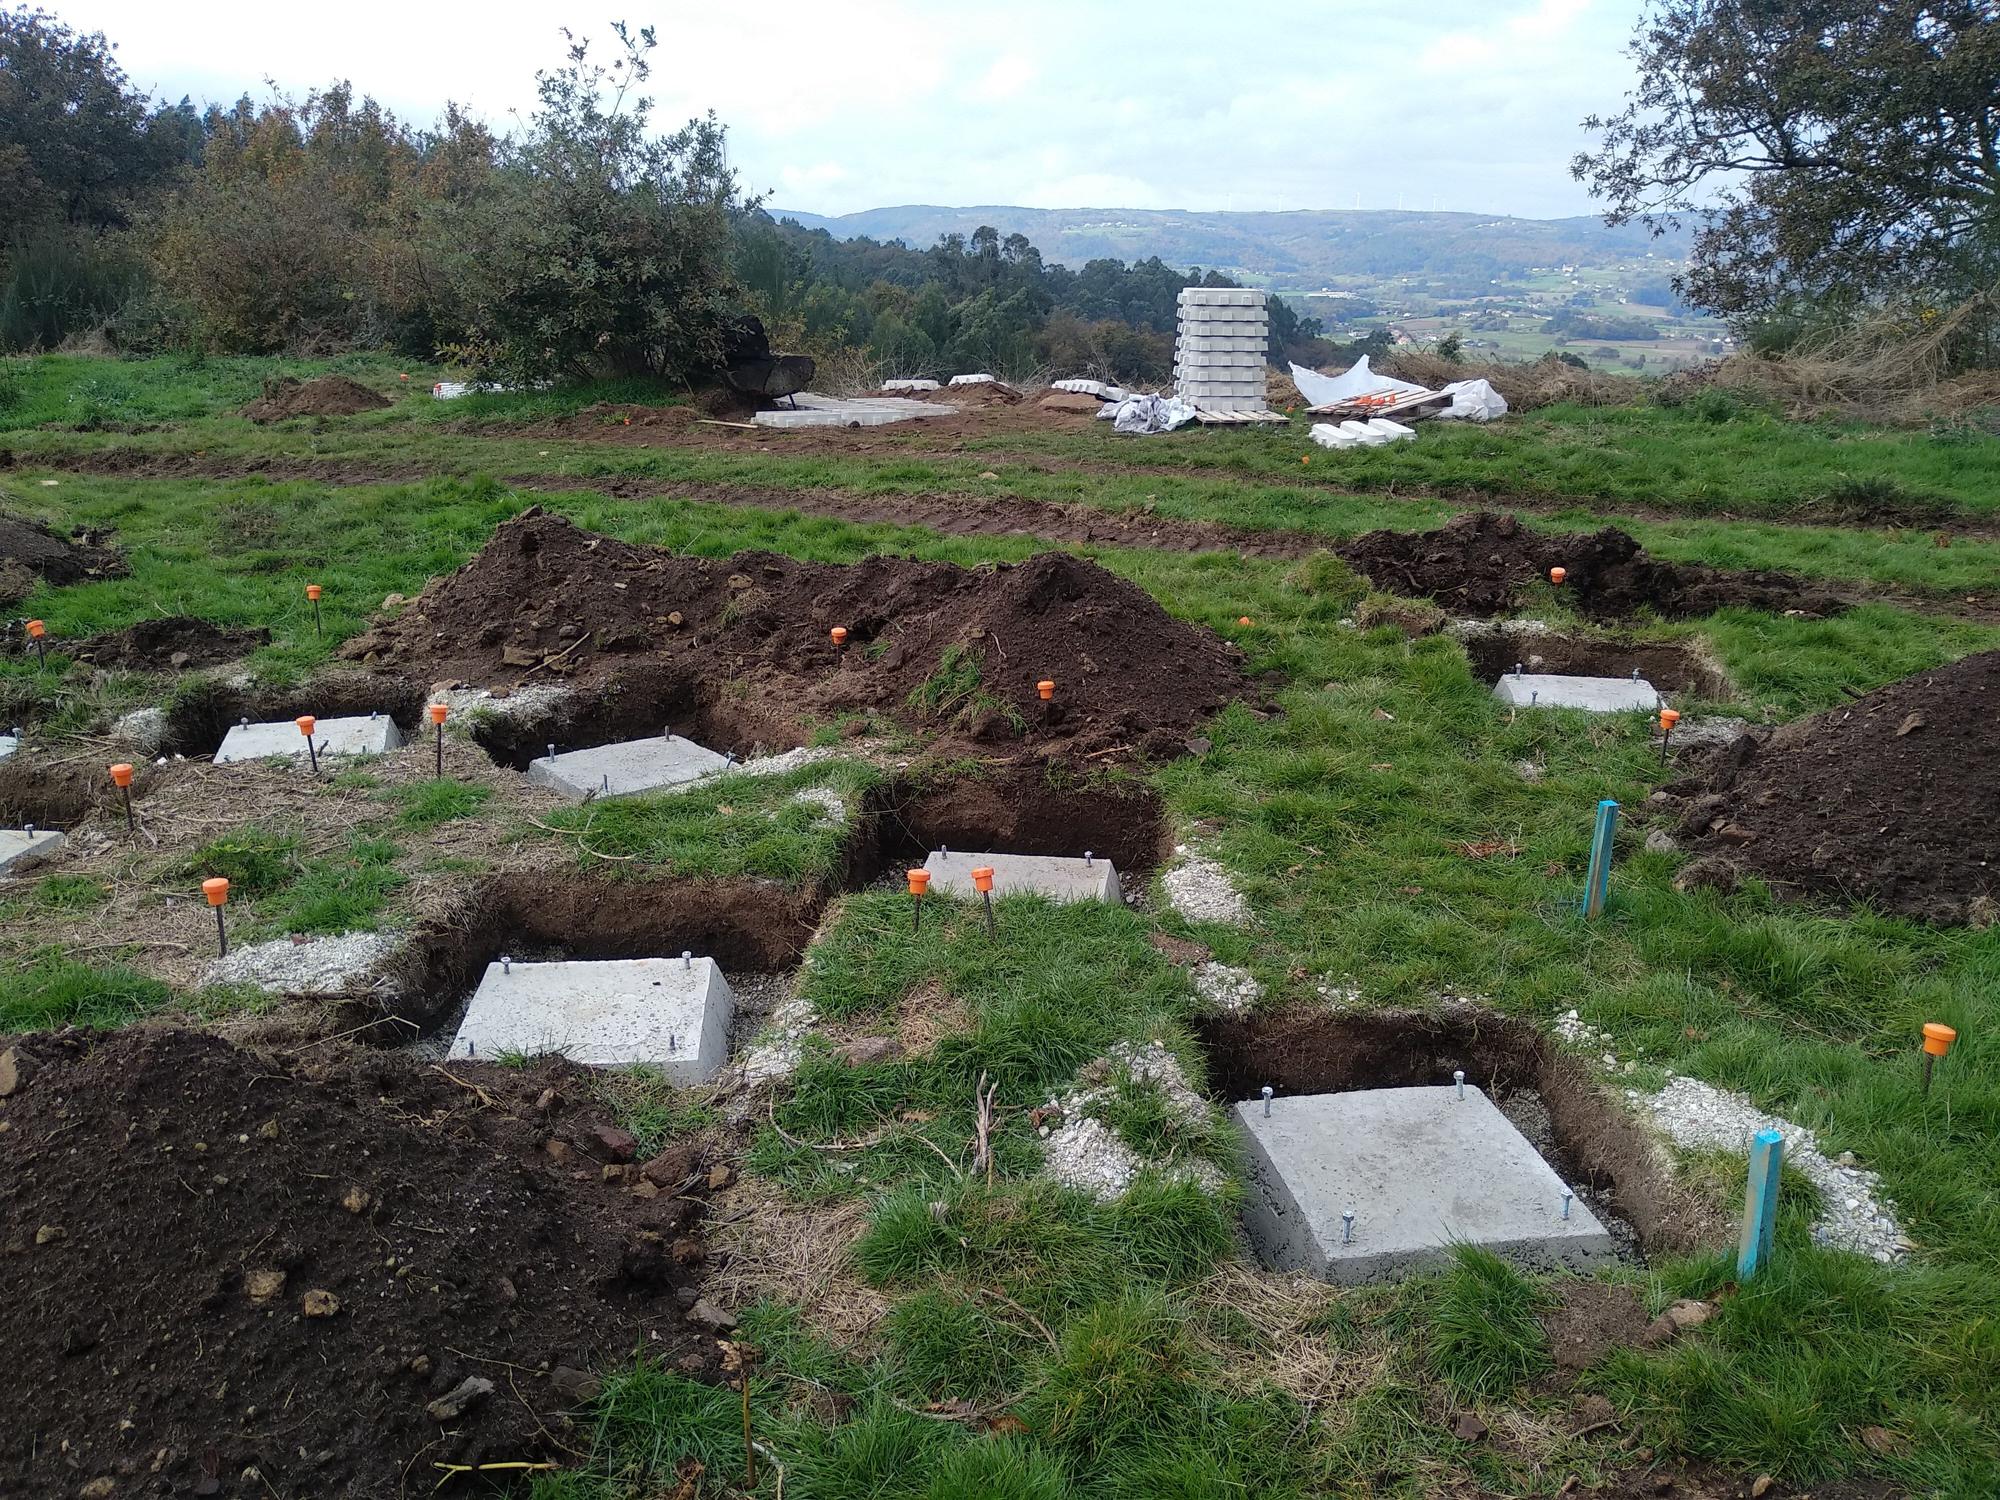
1473	401
1148	414
1356	380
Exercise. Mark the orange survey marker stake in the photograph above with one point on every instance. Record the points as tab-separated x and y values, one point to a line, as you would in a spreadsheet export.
216	889
121	777
313	591
982	882
919	880
1245	620
1045	689
1557	575
1669	717
438	713
307	724
1938	1038
839	635
38	633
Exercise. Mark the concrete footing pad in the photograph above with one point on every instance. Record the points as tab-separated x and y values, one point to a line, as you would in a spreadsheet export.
1597	695
666	1012
1421	1169
1057	877
627	768
9	743
366	734
20	846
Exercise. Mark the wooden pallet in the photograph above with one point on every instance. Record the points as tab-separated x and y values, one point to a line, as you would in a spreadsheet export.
1410	408
1237	418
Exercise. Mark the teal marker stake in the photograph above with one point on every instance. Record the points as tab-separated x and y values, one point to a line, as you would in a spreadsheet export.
1760	1203
1600	858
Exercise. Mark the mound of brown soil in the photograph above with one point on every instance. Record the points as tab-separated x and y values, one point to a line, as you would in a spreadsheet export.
169	643
1888	801
1478	562
986	393
29	551
945	649
214	1265
322	396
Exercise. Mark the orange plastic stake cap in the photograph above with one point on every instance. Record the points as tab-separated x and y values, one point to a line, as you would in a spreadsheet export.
1557	575
918	880
438	711
1046	688
36	628
307	724
839	634
1669	717
121	774
1938	1038
216	889
313	591
982	878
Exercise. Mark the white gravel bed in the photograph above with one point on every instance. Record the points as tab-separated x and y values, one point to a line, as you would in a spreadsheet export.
312	966
1202	891
1225	987
1083	1152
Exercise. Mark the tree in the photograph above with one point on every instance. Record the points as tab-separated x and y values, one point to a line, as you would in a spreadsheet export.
1831	152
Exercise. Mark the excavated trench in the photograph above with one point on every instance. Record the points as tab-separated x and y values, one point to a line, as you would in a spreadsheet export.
645	702
204	712
1670	668
1579	1127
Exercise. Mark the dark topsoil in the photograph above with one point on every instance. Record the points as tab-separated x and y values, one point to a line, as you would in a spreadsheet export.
30	552
751	642
149	1179
169	643
322	396
1480	562
1889	801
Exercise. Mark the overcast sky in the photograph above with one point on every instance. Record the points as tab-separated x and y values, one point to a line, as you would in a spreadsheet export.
852	104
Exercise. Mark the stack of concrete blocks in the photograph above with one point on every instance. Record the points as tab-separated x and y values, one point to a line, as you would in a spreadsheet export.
1220	351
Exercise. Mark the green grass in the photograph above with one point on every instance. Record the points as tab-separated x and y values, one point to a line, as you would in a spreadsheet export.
49	990
426	804
278	889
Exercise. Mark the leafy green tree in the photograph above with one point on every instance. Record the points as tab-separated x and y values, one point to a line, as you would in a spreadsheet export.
1830	152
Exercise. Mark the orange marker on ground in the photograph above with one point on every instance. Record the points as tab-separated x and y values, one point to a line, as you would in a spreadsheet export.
919	880
1045	689
1938	1038
216	889
307	724
438	713
313	591
36	633
121	777
1244	620
982	882
1669	717
1557	575
839	635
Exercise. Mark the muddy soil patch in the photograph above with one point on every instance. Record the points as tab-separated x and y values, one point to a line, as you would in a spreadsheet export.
217	1262
322	396
1887	801
1589	1138
1021	812
204	712
56	794
1670	668
31	553
170	643
1481	563
953	652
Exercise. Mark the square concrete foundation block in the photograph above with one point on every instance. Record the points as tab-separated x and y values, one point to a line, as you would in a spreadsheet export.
8	745
1422	1169
1057	877
625	769
1597	695
637	1010
362	735
20	847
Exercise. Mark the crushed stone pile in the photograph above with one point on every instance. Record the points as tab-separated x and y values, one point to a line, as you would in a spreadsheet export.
31	553
956	651
1479	563
322	396
1888	801
212	1264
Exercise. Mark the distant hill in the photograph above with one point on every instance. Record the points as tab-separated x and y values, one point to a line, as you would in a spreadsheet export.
1289	251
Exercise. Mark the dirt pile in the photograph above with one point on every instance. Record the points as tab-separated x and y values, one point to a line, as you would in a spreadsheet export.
213	1265
740	649
169	644
30	553
1888	801
1479	563
322	396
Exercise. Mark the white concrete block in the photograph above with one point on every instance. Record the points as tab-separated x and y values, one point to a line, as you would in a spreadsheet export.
667	1012
910	385
1220	296
1058	877
23	846
363	734
9	743
979	378
627	768
1597	695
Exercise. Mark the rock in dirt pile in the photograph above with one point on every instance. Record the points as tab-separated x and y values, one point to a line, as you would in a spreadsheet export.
747	641
1482	562
1887	801
212	1264
31	553
323	396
